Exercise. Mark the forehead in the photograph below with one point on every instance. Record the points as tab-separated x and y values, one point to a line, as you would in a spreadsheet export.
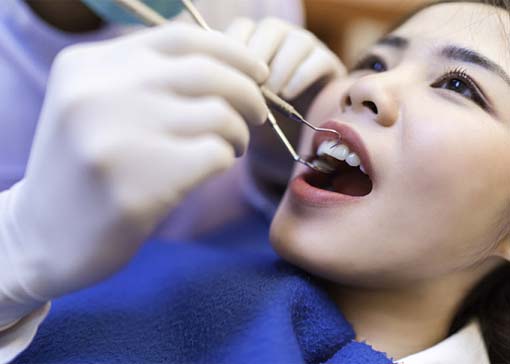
482	28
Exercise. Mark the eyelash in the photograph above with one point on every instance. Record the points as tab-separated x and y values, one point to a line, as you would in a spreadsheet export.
368	62
460	74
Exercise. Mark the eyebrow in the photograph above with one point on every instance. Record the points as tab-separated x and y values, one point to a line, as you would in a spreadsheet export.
470	56
394	41
452	52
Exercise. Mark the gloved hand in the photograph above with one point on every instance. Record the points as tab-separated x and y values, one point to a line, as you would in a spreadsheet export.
300	64
296	57
128	128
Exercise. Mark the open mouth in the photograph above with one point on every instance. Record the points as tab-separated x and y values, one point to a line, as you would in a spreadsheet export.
343	178
347	162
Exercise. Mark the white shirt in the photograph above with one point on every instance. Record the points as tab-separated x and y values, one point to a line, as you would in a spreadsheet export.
464	347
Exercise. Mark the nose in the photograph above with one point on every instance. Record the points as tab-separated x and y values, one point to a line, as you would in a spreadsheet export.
375	95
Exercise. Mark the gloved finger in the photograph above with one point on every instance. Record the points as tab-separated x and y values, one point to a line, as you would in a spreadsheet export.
156	167
296	47
322	63
189	116
198	76
192	117
210	155
241	29
183	39
267	38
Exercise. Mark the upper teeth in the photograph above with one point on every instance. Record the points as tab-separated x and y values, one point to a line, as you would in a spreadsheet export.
341	152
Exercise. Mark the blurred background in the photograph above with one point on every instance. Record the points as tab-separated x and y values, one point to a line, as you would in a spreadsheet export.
349	26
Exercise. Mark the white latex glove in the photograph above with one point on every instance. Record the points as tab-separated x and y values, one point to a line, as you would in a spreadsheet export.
128	128
298	61
296	57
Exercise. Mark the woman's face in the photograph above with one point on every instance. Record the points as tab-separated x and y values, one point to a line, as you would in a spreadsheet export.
431	104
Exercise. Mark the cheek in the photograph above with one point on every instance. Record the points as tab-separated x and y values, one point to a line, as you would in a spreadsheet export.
457	176
327	103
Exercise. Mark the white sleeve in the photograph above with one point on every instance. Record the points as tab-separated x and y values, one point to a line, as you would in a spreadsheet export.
17	337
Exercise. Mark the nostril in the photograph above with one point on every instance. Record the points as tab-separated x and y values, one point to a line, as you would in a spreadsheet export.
371	106
348	101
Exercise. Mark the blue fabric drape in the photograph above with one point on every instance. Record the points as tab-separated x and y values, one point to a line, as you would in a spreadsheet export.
226	299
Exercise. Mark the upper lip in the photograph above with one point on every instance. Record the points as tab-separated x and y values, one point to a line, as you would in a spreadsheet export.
349	137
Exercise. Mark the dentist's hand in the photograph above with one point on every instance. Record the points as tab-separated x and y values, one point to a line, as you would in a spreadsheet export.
297	59
300	65
128	128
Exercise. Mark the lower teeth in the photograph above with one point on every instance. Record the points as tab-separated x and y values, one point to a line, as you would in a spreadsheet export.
323	166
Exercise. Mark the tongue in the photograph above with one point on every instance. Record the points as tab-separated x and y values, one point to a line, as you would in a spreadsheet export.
352	182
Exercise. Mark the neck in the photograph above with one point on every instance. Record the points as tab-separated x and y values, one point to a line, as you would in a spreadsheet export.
408	319
70	15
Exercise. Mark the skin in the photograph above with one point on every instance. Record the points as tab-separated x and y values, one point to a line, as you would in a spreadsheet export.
67	15
400	261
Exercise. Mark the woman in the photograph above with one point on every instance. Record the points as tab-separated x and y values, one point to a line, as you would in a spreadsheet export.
423	246
414	252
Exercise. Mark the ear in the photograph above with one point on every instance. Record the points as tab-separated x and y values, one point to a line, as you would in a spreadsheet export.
503	248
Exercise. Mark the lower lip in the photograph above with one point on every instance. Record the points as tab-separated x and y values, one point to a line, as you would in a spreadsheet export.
304	192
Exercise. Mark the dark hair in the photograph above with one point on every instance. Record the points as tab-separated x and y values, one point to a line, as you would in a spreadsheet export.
489	300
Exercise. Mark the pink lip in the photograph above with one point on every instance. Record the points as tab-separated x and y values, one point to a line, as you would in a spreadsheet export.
304	192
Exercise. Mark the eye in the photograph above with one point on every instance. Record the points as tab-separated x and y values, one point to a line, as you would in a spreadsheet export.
370	63
459	81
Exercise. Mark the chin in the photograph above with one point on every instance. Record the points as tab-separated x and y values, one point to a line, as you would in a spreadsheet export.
304	244
314	245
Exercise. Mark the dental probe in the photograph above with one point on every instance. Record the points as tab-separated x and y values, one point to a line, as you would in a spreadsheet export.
152	18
